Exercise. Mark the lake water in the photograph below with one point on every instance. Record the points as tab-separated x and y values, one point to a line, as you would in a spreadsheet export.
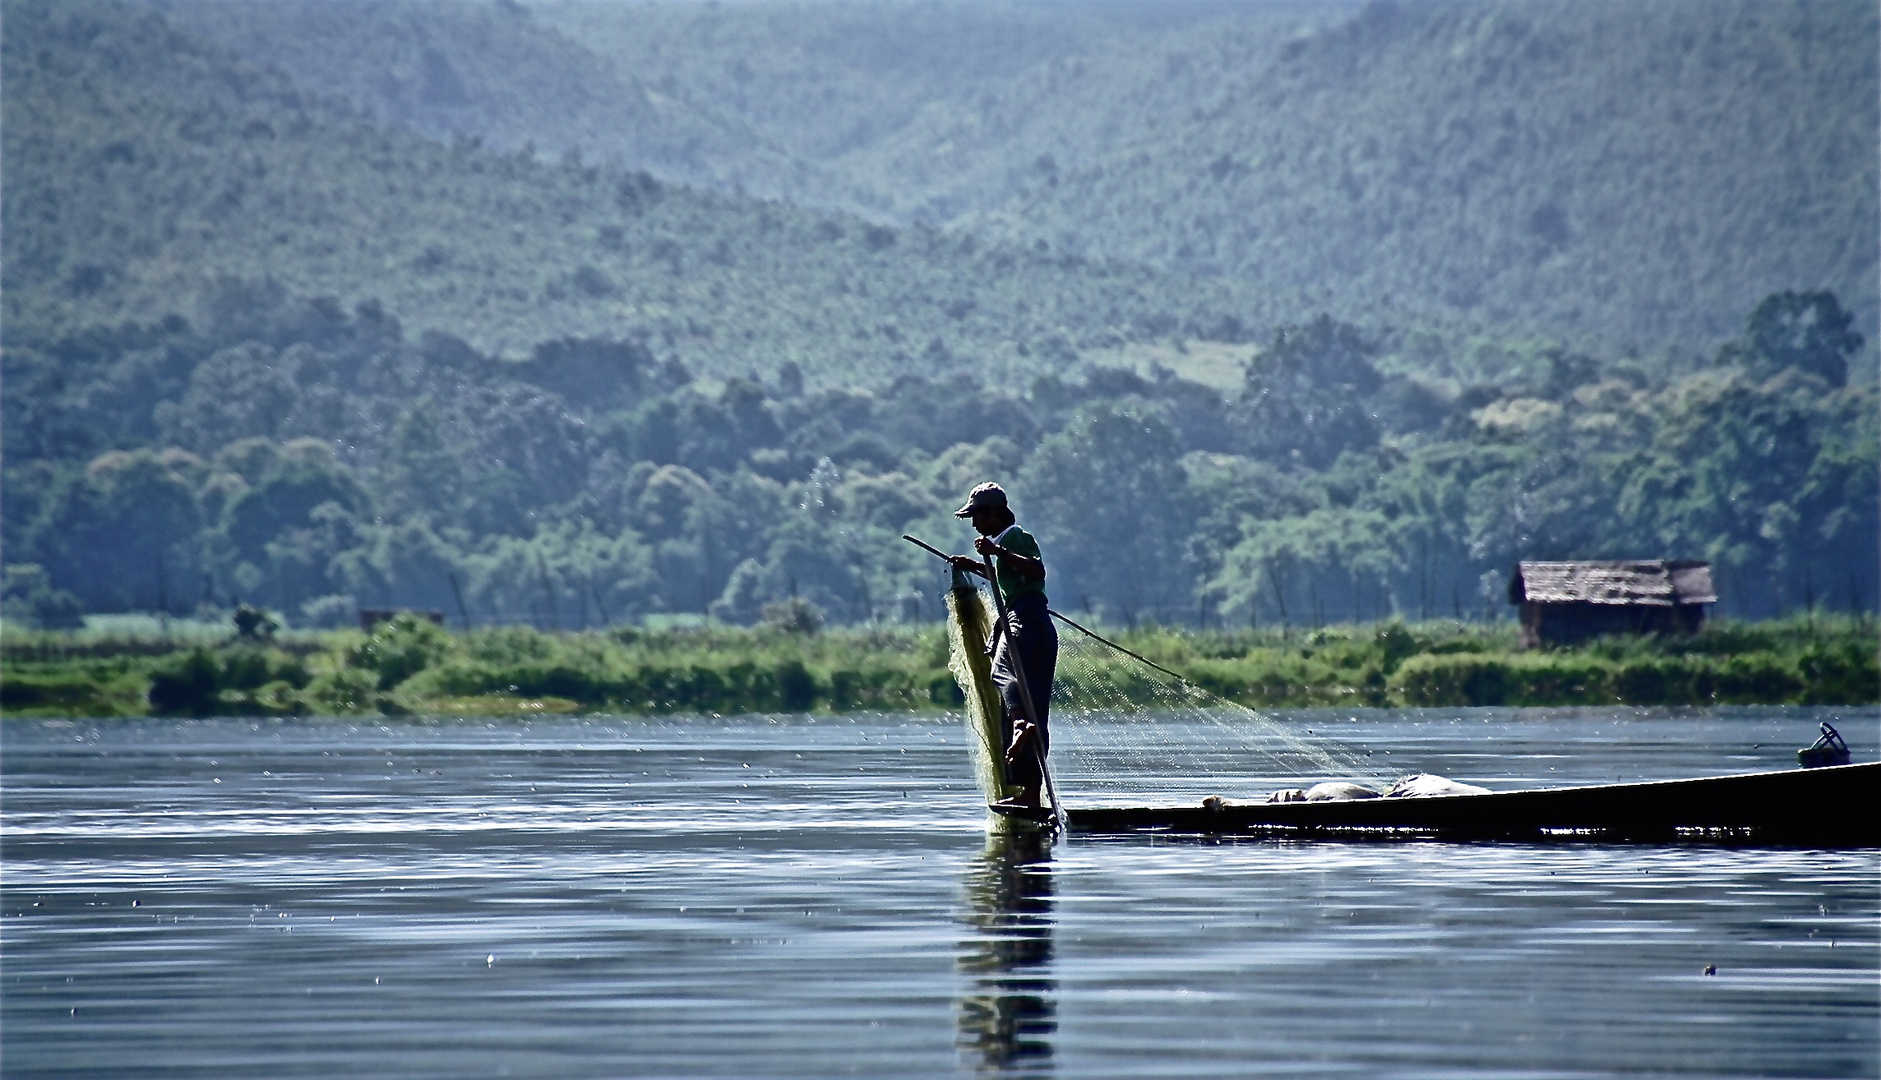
796	896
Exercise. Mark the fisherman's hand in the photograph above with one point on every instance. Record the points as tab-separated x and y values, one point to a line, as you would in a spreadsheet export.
985	546
962	562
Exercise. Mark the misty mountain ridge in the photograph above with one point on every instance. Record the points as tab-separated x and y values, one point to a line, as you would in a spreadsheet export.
146	167
449	69
1632	174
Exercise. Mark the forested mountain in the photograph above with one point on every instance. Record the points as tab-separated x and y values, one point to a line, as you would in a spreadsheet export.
1633	173
144	166
447	68
261	347
1605	170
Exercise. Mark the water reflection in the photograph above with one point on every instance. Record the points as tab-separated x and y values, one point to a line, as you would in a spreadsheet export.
1008	1011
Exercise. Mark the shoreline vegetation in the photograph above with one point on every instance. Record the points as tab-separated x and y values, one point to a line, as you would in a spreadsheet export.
410	666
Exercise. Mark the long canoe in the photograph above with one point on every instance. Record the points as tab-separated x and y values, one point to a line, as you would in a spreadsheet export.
1835	806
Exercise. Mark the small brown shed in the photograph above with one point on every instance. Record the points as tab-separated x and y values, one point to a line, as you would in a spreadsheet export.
1563	602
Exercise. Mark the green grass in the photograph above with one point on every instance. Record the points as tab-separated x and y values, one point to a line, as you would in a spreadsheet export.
1815	660
411	666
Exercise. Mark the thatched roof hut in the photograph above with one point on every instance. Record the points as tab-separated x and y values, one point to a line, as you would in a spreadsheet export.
1563	602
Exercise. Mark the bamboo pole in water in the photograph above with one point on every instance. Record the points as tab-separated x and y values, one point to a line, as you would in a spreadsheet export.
1025	696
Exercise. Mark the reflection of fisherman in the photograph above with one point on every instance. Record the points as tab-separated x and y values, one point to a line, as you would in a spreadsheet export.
1028	644
1008	1014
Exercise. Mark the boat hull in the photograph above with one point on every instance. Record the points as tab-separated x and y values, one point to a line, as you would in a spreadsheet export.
1838	806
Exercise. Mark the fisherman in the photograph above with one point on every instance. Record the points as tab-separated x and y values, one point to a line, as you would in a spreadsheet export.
1028	644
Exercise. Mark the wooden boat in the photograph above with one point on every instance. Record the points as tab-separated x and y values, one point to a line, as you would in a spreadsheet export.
1835	806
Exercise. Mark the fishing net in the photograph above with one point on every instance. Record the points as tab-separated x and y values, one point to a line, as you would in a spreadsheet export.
969	622
1126	732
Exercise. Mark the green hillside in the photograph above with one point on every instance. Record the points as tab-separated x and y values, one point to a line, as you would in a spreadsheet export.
1630	173
911	111
145	170
259	347
1627	171
1620	171
446	68
772	97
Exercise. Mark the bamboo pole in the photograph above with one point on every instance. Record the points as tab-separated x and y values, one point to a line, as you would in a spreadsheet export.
1025	697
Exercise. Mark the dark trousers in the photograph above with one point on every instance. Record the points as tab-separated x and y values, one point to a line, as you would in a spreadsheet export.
1029	644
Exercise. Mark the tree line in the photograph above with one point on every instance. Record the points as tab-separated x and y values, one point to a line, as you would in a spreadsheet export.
312	459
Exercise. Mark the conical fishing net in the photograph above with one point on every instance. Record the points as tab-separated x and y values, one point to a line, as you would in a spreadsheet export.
969	621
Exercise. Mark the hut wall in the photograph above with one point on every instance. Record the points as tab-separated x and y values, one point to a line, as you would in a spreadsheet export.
1568	623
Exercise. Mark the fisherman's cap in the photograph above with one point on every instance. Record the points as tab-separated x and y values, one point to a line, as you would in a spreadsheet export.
981	498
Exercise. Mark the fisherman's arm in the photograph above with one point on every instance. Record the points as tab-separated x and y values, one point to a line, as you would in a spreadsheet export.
1026	565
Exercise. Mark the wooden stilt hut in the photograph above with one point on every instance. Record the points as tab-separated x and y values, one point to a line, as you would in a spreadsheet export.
1564	602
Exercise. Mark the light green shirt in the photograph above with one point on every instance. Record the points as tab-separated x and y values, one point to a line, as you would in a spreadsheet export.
1011	582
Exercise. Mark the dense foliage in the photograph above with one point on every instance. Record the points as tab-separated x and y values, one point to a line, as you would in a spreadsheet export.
1633	172
312	459
1619	171
145	169
261	349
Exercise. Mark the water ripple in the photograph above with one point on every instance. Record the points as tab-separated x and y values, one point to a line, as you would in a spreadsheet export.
817	897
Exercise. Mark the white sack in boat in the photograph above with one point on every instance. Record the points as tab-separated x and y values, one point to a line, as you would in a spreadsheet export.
1427	785
1330	791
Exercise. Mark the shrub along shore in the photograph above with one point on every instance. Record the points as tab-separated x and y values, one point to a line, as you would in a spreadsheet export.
411	666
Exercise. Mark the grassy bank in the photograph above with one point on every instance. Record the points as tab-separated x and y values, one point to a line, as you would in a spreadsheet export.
414	667
1820	660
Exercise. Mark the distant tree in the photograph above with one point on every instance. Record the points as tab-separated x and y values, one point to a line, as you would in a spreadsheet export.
1307	394
1763	480
125	533
286	498
1808	331
282	535
569	575
419	468
246	391
1309	568
811	557
590	374
664	504
400	563
31	600
888	501
701	531
523	450
1106	498
793	615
